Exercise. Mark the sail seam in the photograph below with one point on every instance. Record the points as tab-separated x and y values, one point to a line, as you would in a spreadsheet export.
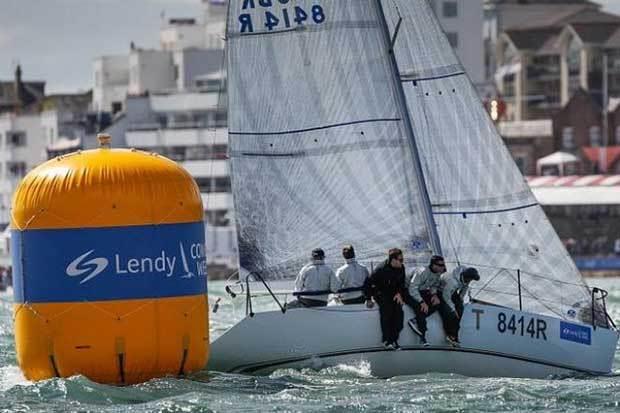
330	150
422	79
493	211
335	125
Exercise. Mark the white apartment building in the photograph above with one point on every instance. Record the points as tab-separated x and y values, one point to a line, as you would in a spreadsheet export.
150	70
462	21
181	34
111	80
23	139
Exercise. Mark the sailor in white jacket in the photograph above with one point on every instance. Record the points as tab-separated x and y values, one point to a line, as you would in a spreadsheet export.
351	275
317	279
454	287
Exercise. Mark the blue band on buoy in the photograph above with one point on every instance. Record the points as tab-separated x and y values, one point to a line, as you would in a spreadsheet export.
114	263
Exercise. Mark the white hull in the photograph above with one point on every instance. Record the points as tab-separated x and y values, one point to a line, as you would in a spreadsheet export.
530	346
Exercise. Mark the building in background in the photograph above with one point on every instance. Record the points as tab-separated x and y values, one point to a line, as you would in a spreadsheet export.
111	81
540	59
462	21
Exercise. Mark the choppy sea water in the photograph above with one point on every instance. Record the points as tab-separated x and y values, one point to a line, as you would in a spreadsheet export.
345	388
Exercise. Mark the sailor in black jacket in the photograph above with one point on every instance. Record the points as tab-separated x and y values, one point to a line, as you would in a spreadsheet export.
386	285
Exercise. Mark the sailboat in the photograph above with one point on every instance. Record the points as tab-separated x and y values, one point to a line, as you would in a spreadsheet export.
353	122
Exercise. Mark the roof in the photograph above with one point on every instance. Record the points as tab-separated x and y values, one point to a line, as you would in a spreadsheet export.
593	154
573	181
531	39
33	91
595	33
576	190
557	158
522	16
614	40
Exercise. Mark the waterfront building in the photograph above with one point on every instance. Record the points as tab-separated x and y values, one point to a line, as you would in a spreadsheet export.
543	52
462	21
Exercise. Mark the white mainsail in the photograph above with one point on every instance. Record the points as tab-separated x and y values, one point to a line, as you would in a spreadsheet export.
319	150
485	212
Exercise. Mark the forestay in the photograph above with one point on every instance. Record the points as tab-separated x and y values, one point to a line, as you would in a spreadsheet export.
319	154
486	214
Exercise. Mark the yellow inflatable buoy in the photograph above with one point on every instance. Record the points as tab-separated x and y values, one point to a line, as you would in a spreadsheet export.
109	268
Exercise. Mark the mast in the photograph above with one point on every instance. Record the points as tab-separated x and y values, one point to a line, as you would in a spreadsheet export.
402	101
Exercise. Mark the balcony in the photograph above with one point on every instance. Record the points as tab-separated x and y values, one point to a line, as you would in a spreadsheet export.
206	169
150	136
217	201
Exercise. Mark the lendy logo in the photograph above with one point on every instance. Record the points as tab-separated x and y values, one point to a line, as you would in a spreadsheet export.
79	267
192	262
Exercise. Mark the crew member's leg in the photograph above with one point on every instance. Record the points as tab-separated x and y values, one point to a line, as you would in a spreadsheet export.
385	315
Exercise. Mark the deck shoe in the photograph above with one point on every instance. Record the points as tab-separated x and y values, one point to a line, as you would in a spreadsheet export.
396	345
412	324
388	346
454	342
424	342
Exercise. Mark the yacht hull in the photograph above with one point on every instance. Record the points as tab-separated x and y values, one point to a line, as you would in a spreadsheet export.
495	342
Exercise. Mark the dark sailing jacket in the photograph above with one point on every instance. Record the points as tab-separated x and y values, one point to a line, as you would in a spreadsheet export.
384	282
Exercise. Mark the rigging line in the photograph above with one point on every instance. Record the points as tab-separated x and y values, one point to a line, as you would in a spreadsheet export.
534	296
223	82
335	125
535	275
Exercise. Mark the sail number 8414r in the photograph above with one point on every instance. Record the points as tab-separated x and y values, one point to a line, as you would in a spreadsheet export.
522	326
285	18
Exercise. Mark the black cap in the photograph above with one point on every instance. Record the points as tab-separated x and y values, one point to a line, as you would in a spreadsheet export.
470	274
436	259
318	254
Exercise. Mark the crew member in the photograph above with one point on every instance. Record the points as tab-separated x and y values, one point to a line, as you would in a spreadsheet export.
316	279
351	275
423	295
386	285
454	287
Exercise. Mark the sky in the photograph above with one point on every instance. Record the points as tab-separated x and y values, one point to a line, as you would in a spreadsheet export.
57	40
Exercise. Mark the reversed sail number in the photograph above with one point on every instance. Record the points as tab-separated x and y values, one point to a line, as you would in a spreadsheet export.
286	18
523	326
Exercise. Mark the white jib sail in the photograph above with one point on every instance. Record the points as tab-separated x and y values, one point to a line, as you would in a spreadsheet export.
486	214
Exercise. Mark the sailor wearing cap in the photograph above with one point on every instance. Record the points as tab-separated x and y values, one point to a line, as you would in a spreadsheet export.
423	295
454	287
317	279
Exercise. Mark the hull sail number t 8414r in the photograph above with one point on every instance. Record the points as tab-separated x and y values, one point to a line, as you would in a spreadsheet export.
284	18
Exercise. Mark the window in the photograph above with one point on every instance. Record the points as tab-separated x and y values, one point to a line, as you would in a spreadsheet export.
450	9
568	140
213	184
16	138
617	135
453	38
17	169
595	136
117	107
